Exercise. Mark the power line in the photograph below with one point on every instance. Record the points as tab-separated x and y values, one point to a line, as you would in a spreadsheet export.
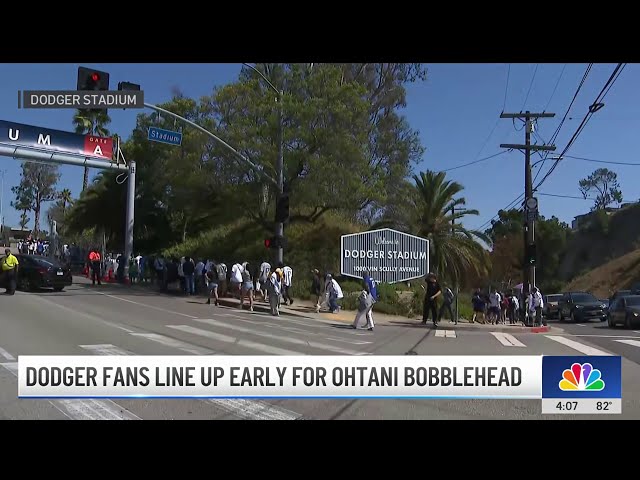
602	161
506	88
565	196
593	108
564	118
530	85
475	161
555	88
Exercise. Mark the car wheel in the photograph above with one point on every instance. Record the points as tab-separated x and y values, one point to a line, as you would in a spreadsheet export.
610	324
560	318
573	317
25	284
58	289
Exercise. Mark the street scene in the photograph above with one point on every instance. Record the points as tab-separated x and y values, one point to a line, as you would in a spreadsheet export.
318	209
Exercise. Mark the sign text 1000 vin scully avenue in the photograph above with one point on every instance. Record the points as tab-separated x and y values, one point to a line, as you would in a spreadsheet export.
387	255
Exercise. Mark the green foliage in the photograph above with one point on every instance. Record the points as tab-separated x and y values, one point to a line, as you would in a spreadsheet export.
37	186
600	223
604	184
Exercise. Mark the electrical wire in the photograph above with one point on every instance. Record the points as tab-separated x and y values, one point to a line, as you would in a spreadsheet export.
506	88
476	161
602	161
592	109
555	88
564	196
530	85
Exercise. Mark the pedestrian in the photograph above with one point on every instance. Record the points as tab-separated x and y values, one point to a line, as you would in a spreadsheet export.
494	306
235	282
221	268
430	305
94	261
316	288
10	266
447	303
265	270
247	286
287	276
274	286
538	304
514	307
478	303
365	303
335	293
199	275
373	292
211	281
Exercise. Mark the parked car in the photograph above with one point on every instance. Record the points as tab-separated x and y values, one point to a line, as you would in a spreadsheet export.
580	307
551	305
35	271
620	293
624	311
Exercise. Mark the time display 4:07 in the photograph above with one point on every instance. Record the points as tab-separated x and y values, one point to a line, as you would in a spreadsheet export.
570	405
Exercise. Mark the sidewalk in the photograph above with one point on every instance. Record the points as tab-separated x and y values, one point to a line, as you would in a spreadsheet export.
306	309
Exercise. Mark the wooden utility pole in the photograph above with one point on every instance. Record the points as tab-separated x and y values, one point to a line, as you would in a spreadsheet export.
530	203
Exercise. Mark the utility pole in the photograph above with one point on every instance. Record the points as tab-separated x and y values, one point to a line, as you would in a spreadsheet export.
530	203
280	173
453	232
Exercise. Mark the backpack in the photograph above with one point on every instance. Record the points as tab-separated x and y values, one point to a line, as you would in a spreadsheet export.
448	295
222	271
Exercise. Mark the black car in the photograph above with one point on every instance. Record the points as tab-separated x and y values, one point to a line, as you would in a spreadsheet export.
625	311
580	307
35	271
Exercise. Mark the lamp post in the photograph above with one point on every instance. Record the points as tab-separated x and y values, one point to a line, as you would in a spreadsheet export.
279	231
453	232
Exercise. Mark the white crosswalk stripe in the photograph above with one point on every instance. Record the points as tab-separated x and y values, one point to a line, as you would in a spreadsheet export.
240	408
280	338
85	409
177	344
271	350
446	333
507	340
580	347
633	343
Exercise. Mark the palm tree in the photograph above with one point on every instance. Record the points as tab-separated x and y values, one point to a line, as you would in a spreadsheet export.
91	122
435	213
65	198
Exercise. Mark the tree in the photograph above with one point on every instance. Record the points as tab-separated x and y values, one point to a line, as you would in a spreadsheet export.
605	184
24	220
509	222
91	122
65	198
434	210
23	200
37	185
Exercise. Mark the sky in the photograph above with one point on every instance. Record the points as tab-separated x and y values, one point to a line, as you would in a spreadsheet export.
456	110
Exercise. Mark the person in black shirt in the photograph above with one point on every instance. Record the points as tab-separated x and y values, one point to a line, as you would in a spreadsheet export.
432	292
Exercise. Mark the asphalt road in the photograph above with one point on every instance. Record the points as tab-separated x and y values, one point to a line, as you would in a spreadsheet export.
116	320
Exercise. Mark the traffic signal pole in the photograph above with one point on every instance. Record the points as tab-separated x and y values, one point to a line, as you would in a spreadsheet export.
280	172
529	269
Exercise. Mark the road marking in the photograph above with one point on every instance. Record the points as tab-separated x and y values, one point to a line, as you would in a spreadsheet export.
280	338
507	339
580	325
85	409
254	410
636	331
146	305
587	350
236	341
602	336
6	354
106	349
245	409
172	342
446	333
633	343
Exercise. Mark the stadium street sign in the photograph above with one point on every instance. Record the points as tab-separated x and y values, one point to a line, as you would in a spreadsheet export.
164	136
80	99
387	255
21	135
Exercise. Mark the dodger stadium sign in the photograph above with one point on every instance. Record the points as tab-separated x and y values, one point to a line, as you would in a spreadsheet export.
387	255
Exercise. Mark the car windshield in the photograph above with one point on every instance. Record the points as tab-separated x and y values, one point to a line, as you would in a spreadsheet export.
553	298
633	301
583	297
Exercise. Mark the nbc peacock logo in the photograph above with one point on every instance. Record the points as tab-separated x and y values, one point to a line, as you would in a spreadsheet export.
581	378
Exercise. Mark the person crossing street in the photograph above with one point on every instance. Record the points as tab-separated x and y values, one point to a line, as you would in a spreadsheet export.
94	260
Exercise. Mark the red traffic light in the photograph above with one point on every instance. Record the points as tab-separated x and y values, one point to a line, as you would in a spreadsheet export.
267	242
95	77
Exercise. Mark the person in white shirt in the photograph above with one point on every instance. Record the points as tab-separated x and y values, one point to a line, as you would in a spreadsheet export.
236	280
274	284
335	294
537	304
287	275
514	309
494	307
263	276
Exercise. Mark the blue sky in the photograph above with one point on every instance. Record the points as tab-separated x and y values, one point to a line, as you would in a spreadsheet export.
456	111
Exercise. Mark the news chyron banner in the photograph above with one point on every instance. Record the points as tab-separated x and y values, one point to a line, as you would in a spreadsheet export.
582	385
20	135
363	377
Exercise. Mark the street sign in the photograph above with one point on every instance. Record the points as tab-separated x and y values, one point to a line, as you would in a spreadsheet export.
532	203
39	138
532	215
164	136
387	255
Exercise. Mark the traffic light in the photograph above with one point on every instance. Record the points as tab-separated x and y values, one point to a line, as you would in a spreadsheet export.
89	79
531	255
127	86
268	242
275	242
282	208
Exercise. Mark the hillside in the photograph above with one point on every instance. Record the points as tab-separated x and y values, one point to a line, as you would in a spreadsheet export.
606	238
617	274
